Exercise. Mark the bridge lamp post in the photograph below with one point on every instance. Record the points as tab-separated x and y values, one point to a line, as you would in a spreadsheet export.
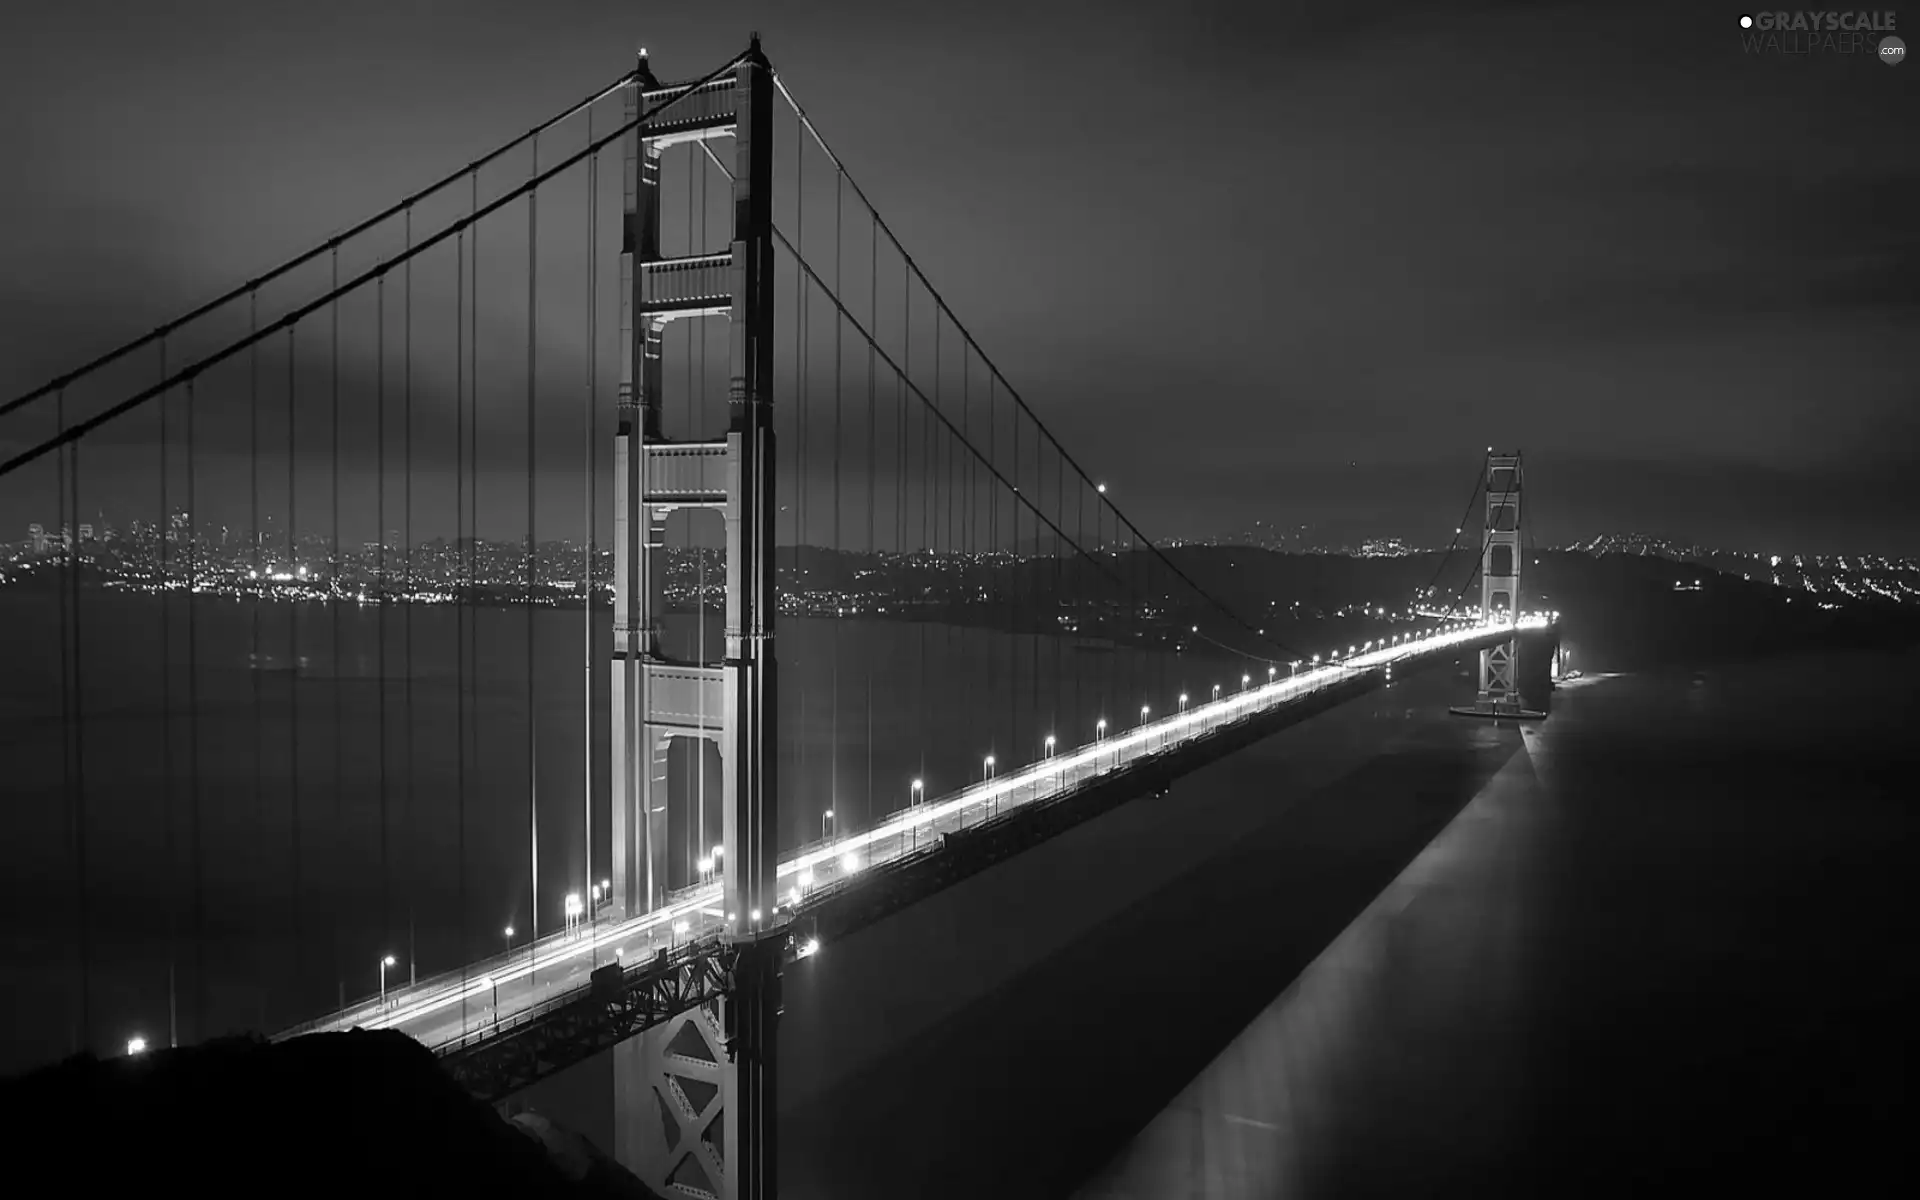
1100	730
705	867
826	822
1293	668
1183	702
914	792
1216	692
1049	745
384	964
1244	681
1271	672
508	934
988	769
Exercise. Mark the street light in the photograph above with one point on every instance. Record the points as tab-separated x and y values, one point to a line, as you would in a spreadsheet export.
1271	672
573	908
705	866
136	1045
1244	681
989	768
384	964
1293	668
917	791
826	819
1143	716
1100	730
1049	745
508	934
1216	691
1183	702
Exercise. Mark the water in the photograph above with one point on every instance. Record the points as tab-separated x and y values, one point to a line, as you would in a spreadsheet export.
1660	942
342	814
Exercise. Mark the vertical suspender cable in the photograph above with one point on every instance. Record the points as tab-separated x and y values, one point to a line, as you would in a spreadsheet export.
949	617
837	561
533	541
333	607
463	588
293	680
165	534
592	457
253	535
406	542
74	719
380	589
77	1041
873	309
473	516
193	735
800	355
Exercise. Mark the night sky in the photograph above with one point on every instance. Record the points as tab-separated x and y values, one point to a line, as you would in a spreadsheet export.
1296	262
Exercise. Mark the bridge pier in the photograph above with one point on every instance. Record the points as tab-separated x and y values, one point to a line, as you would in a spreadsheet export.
694	1098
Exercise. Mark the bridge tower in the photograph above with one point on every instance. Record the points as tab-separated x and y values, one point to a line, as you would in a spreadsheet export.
694	1097
1500	592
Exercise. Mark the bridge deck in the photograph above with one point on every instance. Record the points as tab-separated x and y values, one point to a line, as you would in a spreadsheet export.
500	995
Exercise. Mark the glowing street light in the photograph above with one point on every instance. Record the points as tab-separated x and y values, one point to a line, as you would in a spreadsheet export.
719	852
917	790
989	768
1293	668
573	909
1143	715
754	916
705	867
384	964
136	1045
508	934
1049	745
1101	488
1271	672
1183	702
1216	691
1100	730
826	820
1244	681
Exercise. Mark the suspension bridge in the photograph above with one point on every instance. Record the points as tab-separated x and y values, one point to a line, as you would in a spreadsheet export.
445	561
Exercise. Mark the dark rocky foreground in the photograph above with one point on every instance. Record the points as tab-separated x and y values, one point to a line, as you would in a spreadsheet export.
343	1114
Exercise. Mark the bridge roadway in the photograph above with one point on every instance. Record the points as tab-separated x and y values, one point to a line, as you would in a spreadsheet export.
467	1005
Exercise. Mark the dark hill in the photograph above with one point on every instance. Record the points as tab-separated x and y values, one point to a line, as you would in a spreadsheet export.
344	1114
